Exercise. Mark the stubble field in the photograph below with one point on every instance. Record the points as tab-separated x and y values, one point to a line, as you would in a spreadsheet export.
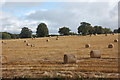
46	58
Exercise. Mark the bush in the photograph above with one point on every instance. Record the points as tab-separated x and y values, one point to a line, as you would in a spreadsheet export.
5	35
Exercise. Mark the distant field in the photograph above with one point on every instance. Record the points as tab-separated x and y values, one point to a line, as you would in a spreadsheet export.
46	58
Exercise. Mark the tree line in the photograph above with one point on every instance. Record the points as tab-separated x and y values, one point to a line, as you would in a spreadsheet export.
42	31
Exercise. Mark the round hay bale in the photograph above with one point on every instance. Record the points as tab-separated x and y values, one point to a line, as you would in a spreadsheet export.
116	40
25	41
27	44
33	38
2	41
105	34
32	45
95	54
47	40
87	45
57	38
69	58
110	45
95	34
113	34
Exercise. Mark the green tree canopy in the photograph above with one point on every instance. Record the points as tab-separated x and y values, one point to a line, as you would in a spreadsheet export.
107	30
115	31
90	30
118	30
14	36
5	35
25	33
98	30
42	30
84	28
64	31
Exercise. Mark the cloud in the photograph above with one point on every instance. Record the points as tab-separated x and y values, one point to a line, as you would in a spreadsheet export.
68	14
71	14
13	24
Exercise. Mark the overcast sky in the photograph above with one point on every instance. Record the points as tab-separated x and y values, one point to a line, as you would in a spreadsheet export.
15	15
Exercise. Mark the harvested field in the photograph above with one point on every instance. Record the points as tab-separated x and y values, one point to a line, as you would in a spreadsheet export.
46	59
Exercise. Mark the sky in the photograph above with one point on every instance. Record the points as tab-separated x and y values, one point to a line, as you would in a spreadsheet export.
15	15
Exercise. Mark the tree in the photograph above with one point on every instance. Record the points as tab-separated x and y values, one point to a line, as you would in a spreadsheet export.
25	33
34	35
42	30
115	31
64	31
91	30
5	35
107	30
84	28
98	30
14	36
118	30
